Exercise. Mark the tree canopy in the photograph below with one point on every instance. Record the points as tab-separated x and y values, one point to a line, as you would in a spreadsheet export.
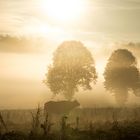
121	74
73	67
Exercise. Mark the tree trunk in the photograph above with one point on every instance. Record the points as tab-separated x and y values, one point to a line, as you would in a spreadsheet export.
69	94
121	96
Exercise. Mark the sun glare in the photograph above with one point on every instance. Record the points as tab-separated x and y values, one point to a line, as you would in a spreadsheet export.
63	10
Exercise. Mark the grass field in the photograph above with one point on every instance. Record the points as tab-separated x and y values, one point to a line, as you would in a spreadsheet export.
79	124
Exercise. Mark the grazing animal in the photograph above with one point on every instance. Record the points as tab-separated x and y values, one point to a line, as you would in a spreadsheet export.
60	107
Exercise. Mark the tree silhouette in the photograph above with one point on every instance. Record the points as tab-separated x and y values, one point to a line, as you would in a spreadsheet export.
121	74
73	67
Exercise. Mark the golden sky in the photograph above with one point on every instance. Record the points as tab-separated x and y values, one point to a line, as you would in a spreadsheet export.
87	19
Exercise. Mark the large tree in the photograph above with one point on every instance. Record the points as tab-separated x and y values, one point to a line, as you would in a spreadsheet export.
73	67
122	75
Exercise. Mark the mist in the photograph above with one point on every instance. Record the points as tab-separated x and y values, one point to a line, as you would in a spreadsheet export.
23	71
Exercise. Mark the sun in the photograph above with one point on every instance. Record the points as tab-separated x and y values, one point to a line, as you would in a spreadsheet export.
63	10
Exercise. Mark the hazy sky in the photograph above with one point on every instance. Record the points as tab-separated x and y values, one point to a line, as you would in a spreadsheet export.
99	24
100	20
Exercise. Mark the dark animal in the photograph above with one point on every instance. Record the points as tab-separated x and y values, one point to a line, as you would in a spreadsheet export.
60	107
